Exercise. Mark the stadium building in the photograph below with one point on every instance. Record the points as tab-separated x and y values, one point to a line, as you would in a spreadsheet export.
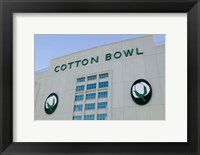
119	81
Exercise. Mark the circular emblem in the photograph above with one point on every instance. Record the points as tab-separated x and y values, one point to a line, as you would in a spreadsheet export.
141	92
51	103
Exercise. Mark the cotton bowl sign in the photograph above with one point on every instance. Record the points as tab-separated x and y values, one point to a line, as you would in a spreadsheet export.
141	92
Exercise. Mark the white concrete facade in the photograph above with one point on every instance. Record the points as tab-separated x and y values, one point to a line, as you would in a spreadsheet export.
122	72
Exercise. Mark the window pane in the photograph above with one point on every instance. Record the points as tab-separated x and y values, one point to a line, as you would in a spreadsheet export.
91	77
78	97
91	86
81	79
78	107
103	84
89	117
80	88
77	117
89	106
90	96
101	116
102	94
101	76
102	105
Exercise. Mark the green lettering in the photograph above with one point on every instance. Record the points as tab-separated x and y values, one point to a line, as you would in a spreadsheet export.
77	62
85	62
63	67
137	52
117	55
128	52
70	64
56	69
108	56
96	60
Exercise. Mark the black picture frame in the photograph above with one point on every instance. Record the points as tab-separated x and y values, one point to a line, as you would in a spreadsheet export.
8	7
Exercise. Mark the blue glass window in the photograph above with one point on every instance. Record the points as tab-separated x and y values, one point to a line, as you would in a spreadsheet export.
91	86
102	105
78	97
89	117
77	117
94	77
89	106
81	79
102	94
80	88
78	107
103	84
90	96
101	76
101	116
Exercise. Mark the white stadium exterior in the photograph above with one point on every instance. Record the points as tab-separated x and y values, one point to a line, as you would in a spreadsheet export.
119	81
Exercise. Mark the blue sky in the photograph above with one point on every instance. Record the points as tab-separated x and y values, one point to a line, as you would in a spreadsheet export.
50	46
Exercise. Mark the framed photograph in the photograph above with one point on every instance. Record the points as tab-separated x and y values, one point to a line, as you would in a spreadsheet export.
106	77
113	81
